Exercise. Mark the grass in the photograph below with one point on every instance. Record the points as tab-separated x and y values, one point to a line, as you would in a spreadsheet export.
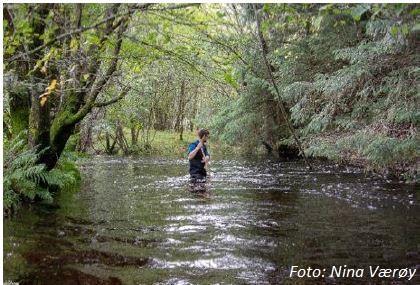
167	143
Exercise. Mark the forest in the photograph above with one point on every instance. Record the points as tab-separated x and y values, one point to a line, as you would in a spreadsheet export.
312	84
93	78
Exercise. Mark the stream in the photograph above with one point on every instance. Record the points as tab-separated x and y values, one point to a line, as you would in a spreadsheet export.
135	221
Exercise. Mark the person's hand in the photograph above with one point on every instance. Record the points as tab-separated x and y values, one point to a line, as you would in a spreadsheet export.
200	144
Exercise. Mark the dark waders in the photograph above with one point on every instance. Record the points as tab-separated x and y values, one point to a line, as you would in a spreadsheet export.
198	173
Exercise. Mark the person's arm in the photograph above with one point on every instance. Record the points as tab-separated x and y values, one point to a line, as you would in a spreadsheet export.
207	155
193	152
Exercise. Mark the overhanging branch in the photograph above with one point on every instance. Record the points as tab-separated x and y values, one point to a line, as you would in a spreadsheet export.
113	100
78	31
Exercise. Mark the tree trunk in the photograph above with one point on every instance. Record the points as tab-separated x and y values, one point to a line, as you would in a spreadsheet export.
20	102
86	129
107	142
280	102
20	94
78	101
179	124
110	147
134	136
120	138
268	131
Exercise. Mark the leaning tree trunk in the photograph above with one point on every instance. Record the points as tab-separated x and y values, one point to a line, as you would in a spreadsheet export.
273	82
268	132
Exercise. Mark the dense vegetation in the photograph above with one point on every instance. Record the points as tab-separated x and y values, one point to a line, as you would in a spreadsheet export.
348	75
339	79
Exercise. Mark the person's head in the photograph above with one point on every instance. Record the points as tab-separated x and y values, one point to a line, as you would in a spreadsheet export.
204	134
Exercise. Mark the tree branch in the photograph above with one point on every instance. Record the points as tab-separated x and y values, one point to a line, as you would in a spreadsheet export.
79	12
113	100
176	57
77	31
174	7
99	84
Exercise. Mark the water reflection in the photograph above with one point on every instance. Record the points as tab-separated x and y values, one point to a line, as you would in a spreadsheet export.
136	221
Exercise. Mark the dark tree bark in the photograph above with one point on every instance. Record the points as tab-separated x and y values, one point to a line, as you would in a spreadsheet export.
110	147
39	121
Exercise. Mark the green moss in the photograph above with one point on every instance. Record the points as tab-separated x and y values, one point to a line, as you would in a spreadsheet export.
19	109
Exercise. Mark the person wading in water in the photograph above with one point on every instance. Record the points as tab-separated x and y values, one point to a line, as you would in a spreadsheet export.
199	157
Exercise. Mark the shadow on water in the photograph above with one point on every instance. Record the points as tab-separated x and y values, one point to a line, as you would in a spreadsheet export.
140	221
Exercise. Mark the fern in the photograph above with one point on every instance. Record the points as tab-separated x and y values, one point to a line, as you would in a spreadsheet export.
25	179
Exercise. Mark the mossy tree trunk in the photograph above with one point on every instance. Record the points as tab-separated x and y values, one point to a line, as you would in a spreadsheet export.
23	86
49	131
19	109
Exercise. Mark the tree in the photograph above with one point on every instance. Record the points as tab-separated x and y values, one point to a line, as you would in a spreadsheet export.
69	60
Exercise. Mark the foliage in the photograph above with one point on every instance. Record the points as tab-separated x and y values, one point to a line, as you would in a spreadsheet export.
24	179
347	74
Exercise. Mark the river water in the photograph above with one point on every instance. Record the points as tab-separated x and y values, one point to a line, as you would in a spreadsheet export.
135	221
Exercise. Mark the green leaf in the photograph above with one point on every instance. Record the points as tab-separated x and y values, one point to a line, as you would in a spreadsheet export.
358	11
394	31
404	29
415	11
74	44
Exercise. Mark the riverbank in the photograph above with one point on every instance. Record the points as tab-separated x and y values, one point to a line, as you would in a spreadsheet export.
390	158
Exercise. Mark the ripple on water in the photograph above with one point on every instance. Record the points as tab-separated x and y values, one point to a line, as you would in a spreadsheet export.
227	261
260	218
